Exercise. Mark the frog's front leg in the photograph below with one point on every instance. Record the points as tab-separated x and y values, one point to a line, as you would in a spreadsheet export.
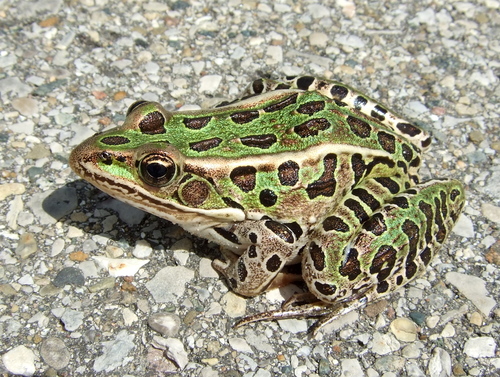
272	246
392	247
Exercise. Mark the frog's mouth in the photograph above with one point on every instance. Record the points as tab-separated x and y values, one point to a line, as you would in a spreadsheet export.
192	219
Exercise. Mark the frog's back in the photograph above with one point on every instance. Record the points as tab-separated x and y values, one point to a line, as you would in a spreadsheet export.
284	121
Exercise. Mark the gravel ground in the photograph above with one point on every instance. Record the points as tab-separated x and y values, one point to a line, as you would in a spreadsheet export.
71	68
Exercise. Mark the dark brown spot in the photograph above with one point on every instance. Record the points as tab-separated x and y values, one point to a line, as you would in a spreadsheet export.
312	127
195	193
454	194
407	152
152	123
259	141
429	216
252	251
273	264
359	102
339	92
387	141
244	177
375	224
359	127
121	158
268	198
317	256
415	162
244	116
382	287
295	228
258	86
205	145
242	270
426	256
358	166
409	129
115	140
230	236
282	86
357	208
326	184
335	223
196	123
281	230
351	267
252	237
288	173
305	82
400	201
410	270
399	280
367	198
385	258
389	184
312	107
282	104
426	142
325	289
231	203
378	112
441	231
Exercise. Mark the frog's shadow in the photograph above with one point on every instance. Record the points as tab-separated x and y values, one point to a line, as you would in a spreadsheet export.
131	225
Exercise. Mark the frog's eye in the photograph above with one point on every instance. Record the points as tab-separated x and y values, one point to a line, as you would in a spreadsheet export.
157	169
135	105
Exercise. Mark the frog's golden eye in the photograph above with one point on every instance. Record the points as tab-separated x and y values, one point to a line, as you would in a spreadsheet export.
157	169
135	105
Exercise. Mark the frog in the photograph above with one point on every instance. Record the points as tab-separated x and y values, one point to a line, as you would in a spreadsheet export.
301	179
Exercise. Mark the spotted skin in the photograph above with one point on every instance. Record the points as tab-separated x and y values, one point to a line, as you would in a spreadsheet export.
300	172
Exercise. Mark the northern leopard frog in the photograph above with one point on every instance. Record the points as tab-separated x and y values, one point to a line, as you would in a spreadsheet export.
303	172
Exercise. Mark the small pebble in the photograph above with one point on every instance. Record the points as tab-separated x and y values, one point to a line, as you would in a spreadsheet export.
69	275
55	353
483	346
404	329
20	360
167	324
27	245
169	283
114	352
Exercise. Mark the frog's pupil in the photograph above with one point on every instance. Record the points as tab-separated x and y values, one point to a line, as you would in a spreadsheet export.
156	170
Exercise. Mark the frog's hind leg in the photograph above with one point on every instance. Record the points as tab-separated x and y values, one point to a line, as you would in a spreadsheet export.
392	247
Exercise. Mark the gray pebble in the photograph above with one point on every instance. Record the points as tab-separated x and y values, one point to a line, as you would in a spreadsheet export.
55	353
61	202
166	324
72	319
69	275
169	283
27	245
439	364
114	352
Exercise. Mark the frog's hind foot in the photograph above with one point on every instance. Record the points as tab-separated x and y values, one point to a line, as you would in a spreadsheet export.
306	305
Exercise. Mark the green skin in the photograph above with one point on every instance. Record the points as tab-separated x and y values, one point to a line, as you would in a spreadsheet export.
304	171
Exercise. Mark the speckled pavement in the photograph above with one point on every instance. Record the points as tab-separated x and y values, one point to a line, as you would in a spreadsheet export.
71	68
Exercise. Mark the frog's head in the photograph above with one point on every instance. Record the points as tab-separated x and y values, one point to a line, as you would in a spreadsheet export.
139	164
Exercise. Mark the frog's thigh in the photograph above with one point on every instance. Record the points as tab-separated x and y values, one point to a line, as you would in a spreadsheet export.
273	245
392	247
